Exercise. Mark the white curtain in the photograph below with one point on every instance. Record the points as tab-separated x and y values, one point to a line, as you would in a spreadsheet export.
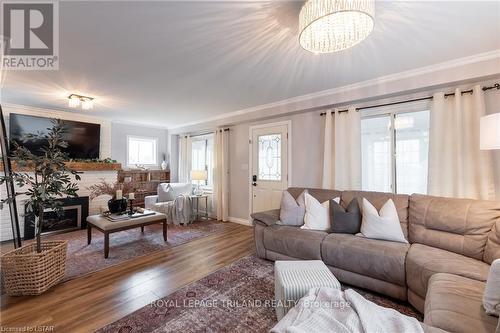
342	150
220	197
457	167
184	159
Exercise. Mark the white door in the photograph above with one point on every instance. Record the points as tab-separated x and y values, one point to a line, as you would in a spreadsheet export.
269	166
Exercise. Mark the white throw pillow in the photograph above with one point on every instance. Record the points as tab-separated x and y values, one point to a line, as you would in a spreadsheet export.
164	192
384	224
491	297
317	215
170	191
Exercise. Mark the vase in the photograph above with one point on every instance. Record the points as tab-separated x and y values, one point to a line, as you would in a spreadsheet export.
164	165
117	206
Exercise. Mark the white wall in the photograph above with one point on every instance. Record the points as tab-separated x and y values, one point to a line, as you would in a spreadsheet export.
119	134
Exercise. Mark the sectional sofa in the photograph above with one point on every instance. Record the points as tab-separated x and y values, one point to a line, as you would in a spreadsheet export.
441	271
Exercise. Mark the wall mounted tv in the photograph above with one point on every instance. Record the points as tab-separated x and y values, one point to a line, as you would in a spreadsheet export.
83	138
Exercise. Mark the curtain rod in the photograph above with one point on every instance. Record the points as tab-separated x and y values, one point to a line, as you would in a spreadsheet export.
206	133
495	86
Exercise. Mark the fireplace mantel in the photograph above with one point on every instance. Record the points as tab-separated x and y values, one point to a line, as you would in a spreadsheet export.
78	166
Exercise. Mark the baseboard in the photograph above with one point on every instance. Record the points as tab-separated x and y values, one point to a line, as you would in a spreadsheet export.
240	221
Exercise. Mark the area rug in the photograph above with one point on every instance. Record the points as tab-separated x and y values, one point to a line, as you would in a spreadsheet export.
236	298
125	245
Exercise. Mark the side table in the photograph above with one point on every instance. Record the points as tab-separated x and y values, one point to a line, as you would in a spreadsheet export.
195	208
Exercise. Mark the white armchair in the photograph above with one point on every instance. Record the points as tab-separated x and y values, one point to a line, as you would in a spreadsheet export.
173	200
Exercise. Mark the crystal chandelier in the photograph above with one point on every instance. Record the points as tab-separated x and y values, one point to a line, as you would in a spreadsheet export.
333	25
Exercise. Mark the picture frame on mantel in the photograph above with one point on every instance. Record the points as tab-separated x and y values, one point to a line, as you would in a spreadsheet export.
7	169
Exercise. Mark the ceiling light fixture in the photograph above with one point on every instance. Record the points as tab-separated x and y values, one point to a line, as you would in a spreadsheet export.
74	101
333	25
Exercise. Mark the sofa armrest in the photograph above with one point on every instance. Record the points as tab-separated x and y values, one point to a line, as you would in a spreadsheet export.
149	201
266	218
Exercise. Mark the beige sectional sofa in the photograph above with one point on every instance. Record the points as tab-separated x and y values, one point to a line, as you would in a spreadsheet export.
441	272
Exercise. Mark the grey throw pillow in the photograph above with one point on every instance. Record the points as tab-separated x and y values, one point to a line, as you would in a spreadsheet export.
345	221
292	211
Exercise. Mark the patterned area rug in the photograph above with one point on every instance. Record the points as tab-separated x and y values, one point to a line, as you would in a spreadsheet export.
125	245
236	298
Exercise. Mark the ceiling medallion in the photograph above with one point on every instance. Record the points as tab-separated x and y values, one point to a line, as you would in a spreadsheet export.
333	25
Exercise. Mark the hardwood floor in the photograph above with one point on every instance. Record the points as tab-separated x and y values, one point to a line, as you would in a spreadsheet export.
92	301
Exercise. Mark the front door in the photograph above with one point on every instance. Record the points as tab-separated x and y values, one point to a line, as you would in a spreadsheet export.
269	166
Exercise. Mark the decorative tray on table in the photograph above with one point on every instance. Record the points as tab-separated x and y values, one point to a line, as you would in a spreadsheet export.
126	216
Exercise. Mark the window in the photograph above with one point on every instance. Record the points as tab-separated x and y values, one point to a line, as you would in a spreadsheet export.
142	150
202	148
395	148
270	157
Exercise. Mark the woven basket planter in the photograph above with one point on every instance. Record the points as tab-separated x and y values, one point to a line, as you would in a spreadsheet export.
26	272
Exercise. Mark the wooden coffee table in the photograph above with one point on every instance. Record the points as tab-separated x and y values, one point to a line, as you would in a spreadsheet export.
108	227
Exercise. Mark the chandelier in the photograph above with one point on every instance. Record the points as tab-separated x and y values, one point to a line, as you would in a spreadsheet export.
333	25
74	101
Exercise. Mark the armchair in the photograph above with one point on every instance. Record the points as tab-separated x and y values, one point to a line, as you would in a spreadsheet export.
173	200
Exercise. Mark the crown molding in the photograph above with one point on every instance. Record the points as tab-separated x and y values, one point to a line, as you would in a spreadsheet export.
7	107
459	62
65	113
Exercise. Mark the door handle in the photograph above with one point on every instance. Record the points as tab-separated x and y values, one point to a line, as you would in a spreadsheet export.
254	184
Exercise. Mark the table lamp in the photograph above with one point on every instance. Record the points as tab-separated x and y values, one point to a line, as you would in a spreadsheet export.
489	129
199	175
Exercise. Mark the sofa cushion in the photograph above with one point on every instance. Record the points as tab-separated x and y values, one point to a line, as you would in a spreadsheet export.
456	225
383	224
378	199
378	259
345	221
292	210
454	303
293	241
423	261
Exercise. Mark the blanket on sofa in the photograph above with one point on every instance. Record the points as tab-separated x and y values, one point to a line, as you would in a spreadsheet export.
332	310
177	211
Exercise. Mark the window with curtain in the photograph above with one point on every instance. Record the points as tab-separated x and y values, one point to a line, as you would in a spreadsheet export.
142	150
202	149
394	154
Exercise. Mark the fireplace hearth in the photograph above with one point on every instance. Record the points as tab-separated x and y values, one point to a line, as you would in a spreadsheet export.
75	215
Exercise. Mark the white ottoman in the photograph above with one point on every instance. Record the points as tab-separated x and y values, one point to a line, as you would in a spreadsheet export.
293	279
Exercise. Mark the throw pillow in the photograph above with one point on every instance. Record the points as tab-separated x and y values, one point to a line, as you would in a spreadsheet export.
170	191
317	215
345	221
292	211
180	189
384	224
491	297
164	192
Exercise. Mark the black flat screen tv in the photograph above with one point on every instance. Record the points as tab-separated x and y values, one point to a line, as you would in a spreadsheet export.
83	138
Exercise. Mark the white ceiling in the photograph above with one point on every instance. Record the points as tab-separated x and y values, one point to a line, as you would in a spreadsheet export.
171	63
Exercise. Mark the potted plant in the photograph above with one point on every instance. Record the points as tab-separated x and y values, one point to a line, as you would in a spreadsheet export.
115	205
34	268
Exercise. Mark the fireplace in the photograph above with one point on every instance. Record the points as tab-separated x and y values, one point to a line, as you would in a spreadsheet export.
74	217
